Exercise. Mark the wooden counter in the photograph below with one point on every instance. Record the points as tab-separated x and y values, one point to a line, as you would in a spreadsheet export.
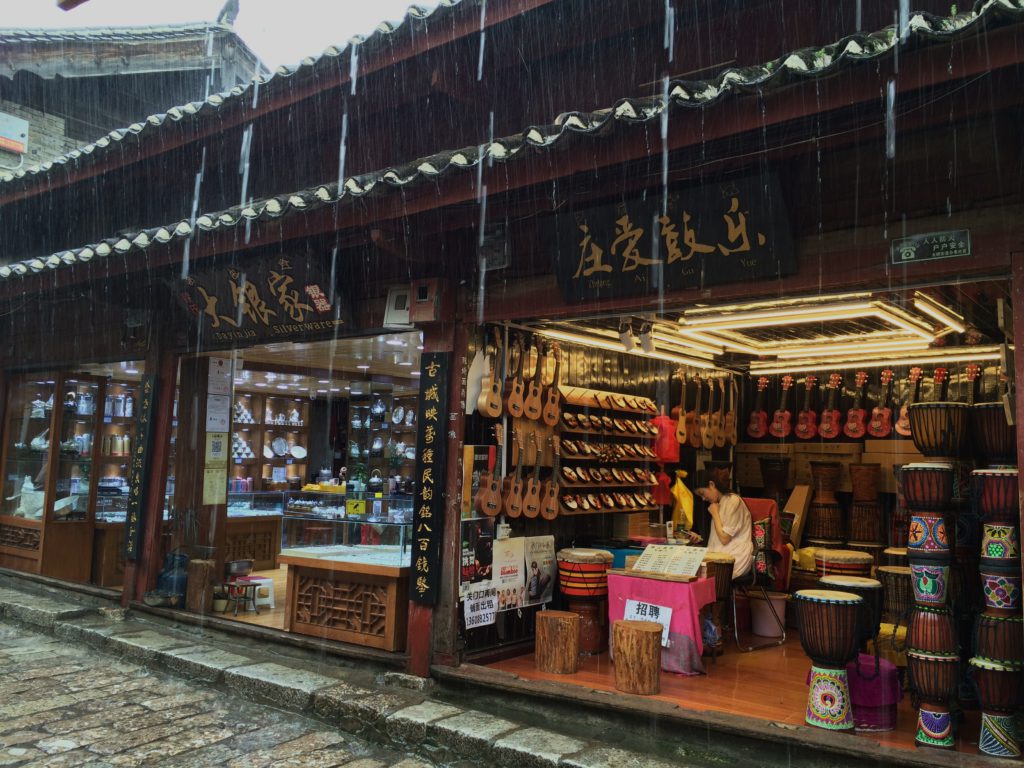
21	543
348	601
256	538
108	555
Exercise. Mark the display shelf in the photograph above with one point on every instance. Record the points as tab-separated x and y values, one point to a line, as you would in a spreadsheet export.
605	433
563	510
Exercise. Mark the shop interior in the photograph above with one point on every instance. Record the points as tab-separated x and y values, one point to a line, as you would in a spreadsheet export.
320	457
755	397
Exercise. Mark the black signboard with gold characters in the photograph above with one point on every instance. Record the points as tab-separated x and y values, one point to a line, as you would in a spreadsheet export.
138	470
272	298
730	231
428	514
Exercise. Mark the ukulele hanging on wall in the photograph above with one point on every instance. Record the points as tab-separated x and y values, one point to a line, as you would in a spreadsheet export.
881	414
855	418
757	427
807	419
782	420
831	418
903	422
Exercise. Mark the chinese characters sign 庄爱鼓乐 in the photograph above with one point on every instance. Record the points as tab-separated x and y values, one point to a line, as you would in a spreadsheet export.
138	470
270	298
428	504
727	232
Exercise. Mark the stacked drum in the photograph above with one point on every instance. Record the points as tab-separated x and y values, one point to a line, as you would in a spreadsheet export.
825	526
932	651
866	512
583	579
999	632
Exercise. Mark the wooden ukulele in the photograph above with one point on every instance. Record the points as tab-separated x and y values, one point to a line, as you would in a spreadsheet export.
531	496
552	486
941	391
488	492
700	417
550	412
682	417
729	427
516	387
533	405
709	421
831	419
881	414
693	417
855	417
973	371
512	497
757	427
781	421
902	426
807	419
718	420
489	402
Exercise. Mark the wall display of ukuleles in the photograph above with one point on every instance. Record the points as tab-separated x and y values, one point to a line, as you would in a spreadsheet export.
711	423
524	383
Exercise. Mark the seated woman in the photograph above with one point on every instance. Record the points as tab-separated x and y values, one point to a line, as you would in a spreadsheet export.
731	527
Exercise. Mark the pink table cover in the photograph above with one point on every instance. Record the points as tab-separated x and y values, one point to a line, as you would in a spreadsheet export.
684	598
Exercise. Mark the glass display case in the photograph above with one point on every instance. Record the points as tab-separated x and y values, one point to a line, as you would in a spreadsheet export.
26	449
360	542
258	504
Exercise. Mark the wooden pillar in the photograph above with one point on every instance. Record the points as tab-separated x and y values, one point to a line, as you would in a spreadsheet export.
1017	298
140	576
432	630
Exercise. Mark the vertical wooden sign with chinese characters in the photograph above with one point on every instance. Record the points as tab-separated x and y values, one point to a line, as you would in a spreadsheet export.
138	470
733	231
431	441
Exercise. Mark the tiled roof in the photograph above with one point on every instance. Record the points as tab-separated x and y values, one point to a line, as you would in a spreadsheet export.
796	66
18	35
415	19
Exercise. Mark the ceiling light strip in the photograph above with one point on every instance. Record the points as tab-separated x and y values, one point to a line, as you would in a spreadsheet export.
780	316
614	346
943	316
846	349
958	355
781	304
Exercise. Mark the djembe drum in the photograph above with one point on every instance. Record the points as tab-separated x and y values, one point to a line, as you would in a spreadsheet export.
842	562
993	438
828	622
1000	638
775	477
864	480
719	567
933	678
926	485
995	493
871	592
865	522
895	556
999	691
825	516
870	548
899	595
583	579
939	429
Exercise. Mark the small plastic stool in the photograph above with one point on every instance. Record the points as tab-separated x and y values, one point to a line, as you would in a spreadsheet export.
261	582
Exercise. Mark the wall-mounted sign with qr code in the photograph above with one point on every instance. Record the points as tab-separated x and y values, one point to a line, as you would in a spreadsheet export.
659	614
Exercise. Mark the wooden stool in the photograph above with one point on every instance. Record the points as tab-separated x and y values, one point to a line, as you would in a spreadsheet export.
558	648
637	656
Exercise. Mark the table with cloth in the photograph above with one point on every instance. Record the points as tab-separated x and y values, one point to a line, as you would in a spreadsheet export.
684	598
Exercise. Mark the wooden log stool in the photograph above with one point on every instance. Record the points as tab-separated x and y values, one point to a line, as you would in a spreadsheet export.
637	656
558	642
199	592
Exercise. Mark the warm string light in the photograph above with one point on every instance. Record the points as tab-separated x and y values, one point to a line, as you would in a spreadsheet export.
614	346
959	355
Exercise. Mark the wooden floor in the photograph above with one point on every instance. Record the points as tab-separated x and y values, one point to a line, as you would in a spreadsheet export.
268	617
768	684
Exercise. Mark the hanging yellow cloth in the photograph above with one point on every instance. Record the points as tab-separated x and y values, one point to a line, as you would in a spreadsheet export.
682	503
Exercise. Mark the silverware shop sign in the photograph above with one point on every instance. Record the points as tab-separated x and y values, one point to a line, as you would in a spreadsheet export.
274	298
431	444
727	232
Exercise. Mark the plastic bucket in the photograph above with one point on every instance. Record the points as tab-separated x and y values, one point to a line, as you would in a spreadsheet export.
762	623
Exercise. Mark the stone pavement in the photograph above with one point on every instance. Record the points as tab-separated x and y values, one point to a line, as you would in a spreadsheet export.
84	683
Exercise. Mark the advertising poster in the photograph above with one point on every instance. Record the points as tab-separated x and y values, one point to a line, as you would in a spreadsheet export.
509	573
477	555
541	569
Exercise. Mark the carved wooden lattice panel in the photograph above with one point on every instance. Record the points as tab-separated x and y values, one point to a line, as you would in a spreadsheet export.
16	536
346	605
257	546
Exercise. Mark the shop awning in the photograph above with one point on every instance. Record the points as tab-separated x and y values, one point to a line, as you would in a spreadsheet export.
921	29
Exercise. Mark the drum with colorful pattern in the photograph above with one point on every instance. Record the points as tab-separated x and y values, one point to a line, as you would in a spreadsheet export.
999	692
846	562
1000	545
1001	590
933	677
930	582
583	573
927	536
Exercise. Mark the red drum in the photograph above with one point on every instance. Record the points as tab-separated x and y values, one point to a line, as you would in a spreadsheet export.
842	562
939	429
998	684
1000	638
1000	545
583	573
828	633
926	485
866	521
825	480
875	550
825	521
899	596
864	479
993	438
931	631
996	494
870	592
933	677
927	537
